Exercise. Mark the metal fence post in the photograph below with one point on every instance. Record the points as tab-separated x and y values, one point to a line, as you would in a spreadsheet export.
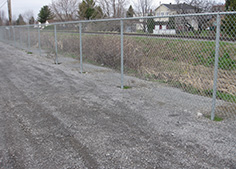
216	67
9	34
28	38
1	37
14	36
6	33
55	34
0	34
81	50
20	32
122	52
39	40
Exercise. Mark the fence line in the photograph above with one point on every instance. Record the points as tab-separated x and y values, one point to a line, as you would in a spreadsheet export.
142	48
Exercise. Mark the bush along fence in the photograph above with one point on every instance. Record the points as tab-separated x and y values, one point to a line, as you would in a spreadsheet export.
194	52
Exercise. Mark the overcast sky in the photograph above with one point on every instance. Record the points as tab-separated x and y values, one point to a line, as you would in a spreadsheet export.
21	6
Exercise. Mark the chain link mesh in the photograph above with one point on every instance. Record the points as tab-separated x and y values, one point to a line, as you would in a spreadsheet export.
177	51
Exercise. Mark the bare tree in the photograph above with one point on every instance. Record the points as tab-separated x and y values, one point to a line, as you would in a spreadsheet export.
113	8
143	8
203	5
65	10
197	6
2	18
28	15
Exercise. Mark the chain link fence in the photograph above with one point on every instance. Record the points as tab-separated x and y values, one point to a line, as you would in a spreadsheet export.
193	52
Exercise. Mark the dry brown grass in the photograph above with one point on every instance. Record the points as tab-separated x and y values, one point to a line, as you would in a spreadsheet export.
164	59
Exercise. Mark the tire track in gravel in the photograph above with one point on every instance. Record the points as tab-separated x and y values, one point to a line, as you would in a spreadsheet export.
53	140
116	119
36	123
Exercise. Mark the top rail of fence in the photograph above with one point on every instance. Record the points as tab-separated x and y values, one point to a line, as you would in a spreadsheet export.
130	18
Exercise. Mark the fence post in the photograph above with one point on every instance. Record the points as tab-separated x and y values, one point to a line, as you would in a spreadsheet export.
1	37
14	36
39	40
216	67
28	38
1	34
20	32
55	34
122	52
9	33
81	50
5	35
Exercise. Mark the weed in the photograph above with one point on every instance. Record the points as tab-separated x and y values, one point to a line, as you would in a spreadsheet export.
186	88
217	118
221	95
29	53
125	87
164	60
190	89
225	62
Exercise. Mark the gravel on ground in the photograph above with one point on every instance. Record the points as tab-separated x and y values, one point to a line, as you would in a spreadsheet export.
51	116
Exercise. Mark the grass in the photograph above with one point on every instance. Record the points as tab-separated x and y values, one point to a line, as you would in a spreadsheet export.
188	60
125	87
69	55
193	90
29	53
217	118
203	33
221	96
225	62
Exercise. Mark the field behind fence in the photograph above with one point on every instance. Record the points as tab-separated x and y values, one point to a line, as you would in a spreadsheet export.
193	52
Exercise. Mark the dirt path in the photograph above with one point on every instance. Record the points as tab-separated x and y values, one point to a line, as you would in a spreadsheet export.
53	117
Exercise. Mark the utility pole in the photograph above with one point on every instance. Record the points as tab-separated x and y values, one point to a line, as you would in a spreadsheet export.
9	11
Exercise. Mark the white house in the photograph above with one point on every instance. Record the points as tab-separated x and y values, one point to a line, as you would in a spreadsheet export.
179	23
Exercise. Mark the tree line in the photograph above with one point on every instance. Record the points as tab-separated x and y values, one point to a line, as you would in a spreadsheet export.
68	10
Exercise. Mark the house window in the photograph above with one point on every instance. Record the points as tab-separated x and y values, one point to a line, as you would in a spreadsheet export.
167	13
162	13
158	13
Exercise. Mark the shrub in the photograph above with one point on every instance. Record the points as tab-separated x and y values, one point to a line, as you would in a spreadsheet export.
225	62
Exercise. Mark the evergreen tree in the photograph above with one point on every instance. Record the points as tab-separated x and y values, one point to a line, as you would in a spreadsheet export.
130	12
20	20
31	21
98	14
229	22
230	5
171	23
88	10
45	14
150	24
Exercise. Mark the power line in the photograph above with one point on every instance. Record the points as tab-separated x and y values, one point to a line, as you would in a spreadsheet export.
2	1
3	4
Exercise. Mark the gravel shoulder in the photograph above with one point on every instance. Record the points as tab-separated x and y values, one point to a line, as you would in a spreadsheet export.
51	116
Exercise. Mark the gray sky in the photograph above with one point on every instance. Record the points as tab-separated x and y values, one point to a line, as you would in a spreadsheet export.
21	6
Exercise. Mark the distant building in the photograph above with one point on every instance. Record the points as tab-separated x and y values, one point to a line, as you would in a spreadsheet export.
179	23
218	8
173	9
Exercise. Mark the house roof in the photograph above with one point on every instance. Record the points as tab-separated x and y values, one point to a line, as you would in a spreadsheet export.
216	7
177	7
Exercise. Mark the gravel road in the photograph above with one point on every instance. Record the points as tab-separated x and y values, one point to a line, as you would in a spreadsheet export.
51	116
